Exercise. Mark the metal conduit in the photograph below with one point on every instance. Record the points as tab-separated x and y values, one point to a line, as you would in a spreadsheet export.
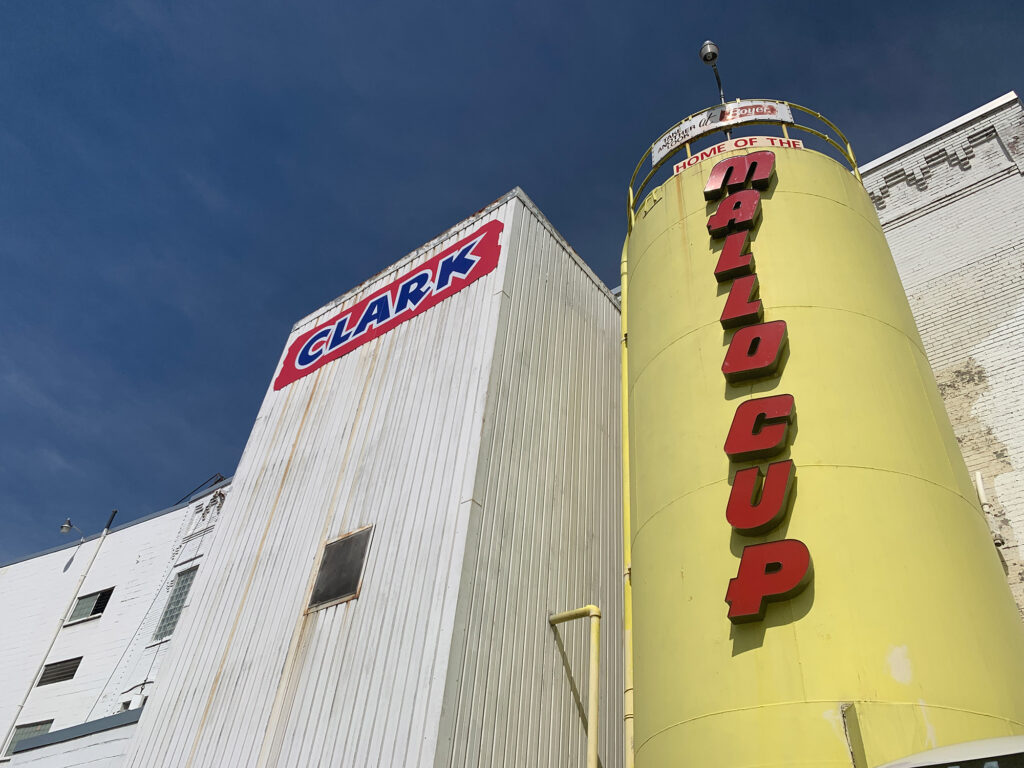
594	613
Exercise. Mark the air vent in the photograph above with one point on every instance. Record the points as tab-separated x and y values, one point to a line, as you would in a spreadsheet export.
341	569
59	671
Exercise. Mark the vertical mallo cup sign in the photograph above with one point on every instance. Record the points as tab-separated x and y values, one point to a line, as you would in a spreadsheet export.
758	282
773	570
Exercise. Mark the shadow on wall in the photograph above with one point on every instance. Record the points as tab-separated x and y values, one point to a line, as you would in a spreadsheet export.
573	687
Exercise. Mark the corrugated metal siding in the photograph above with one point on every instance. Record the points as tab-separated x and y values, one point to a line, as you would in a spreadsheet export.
523	362
388	436
546	531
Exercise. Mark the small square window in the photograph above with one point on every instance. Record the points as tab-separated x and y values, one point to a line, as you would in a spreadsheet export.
175	603
59	671
91	605
27	731
341	569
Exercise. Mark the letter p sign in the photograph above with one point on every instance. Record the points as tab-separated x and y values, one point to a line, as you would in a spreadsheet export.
776	570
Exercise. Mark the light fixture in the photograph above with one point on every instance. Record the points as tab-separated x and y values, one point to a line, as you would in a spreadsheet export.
709	55
67	525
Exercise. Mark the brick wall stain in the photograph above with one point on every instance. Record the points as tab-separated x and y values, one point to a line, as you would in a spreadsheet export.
950	210
961	387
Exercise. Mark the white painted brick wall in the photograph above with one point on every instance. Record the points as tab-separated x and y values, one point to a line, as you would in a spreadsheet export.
953	212
117	649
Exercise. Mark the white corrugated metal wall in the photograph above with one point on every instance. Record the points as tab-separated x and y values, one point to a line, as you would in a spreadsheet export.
546	530
383	436
387	435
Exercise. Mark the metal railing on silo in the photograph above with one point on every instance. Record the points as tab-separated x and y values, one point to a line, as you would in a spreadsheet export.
834	138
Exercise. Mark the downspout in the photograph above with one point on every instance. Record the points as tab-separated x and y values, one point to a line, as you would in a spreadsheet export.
60	624
627	586
594	613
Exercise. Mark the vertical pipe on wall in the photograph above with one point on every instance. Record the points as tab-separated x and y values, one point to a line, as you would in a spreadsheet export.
594	694
627	597
594	682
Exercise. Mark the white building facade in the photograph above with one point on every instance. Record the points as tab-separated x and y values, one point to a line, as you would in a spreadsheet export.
474	443
110	610
464	449
950	204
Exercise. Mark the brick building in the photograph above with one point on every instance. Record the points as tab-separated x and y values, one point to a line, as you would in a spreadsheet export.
950	204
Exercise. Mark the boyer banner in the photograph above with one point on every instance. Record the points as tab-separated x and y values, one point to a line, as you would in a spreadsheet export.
717	118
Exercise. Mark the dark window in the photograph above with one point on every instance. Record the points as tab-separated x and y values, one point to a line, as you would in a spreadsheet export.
175	603
27	731
341	569
91	605
59	671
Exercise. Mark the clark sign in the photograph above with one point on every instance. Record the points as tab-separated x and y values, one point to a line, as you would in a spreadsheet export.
413	293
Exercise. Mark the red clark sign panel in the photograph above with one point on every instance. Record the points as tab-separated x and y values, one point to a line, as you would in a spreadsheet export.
415	292
773	570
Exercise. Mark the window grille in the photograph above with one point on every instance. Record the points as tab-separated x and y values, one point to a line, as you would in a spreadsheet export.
91	605
27	731
341	569
175	604
59	671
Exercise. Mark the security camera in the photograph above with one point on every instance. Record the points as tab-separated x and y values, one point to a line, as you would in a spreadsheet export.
709	52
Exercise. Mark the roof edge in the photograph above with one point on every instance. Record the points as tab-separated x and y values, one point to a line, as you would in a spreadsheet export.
160	513
949	127
553	231
401	262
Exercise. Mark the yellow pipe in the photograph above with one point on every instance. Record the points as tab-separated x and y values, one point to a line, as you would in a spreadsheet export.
594	613
627	587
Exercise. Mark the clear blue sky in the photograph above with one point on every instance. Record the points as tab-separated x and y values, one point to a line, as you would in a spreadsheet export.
181	181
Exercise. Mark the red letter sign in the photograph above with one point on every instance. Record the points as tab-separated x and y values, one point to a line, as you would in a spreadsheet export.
753	516
754	351
734	173
740	210
758	502
742	306
776	570
760	427
433	281
735	259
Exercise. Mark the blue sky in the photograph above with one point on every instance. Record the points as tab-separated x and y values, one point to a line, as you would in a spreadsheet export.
180	182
